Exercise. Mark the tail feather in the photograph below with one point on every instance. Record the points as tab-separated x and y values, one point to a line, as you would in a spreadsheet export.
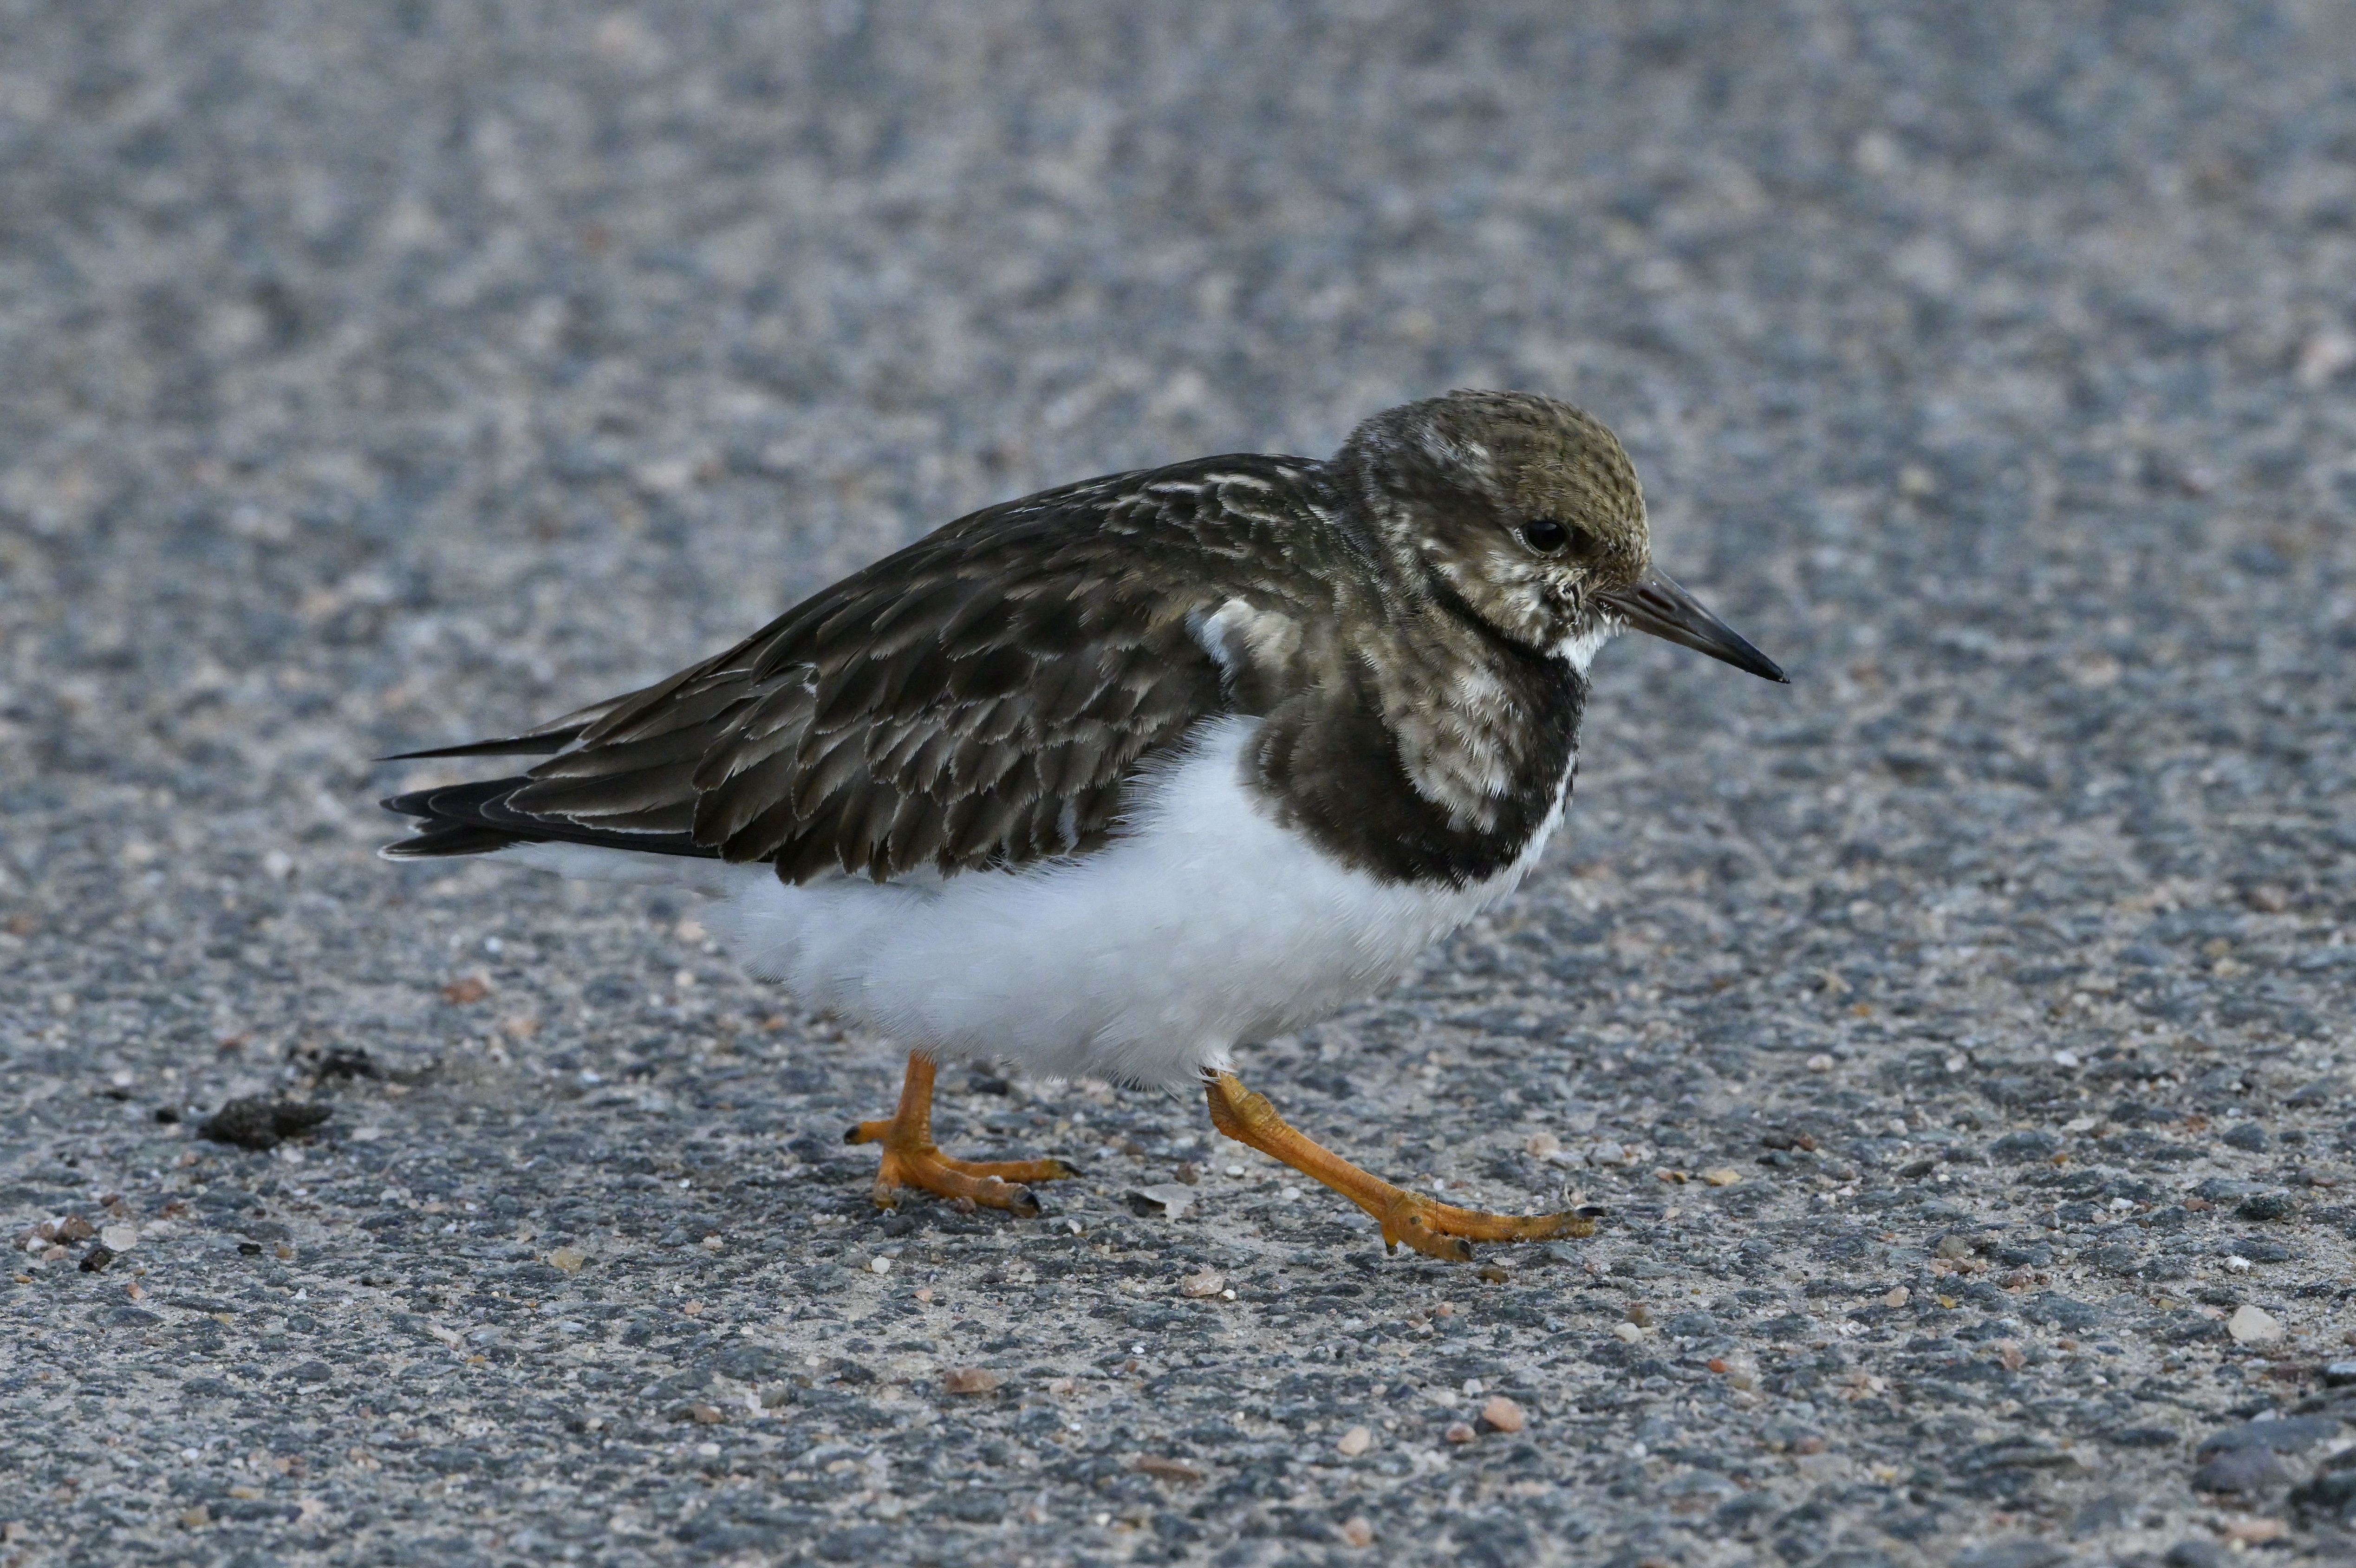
475	818
446	839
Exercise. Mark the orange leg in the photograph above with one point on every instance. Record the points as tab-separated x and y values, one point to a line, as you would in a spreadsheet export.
1426	1224
911	1159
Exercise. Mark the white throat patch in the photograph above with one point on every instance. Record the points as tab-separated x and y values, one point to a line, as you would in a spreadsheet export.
1580	650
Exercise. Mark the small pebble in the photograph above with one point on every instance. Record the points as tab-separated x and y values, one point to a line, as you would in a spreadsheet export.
261	1122
969	1380
881	1266
1640	1314
1724	1176
1169	1200
1628	1331
1899	1297
1165	1199
1174	1470
1502	1413
1460	1431
2268	898
1355	1442
1820	1063
1208	1282
1358	1532
2248	1325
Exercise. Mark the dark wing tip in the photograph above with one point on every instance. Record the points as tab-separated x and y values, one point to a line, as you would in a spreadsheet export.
511	745
441	839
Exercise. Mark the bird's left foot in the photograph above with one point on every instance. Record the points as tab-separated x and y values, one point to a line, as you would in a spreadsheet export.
911	1159
992	1184
1436	1229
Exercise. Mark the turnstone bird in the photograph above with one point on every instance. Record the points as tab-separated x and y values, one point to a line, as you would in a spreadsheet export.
1118	777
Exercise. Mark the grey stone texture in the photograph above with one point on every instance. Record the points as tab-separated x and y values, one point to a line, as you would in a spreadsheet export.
381	375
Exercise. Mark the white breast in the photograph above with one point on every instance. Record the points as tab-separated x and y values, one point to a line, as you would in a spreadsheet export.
1205	925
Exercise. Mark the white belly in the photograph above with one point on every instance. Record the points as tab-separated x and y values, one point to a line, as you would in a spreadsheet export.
1205	925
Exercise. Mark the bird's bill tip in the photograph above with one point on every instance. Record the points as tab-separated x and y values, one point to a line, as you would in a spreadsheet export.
1656	606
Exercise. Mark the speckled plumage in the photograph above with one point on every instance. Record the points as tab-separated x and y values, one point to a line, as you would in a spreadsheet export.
989	696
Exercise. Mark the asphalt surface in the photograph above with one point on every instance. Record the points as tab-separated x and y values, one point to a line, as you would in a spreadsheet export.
383	376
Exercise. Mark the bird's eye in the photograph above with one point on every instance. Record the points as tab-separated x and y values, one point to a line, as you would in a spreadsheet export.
1548	537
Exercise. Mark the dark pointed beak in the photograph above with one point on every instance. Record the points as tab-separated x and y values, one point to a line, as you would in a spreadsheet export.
1653	604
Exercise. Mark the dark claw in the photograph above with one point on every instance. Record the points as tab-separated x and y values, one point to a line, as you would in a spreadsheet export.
1025	1204
1068	1168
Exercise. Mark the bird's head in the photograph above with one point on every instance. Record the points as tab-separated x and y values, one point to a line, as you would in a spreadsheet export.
1529	511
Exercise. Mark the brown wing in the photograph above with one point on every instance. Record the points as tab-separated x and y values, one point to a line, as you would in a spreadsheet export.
980	699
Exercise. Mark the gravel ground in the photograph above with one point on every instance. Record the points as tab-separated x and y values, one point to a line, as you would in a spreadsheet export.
1958	1038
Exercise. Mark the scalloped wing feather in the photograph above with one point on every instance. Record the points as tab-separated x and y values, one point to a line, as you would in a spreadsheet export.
983	698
